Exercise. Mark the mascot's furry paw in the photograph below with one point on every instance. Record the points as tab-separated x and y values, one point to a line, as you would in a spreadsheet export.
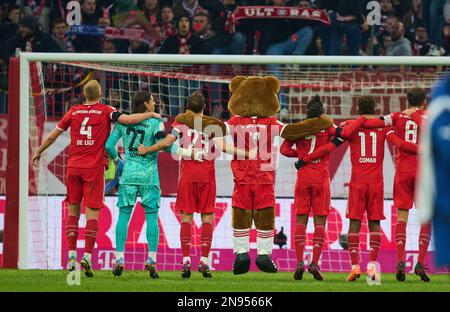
188	119
266	264
302	129
241	263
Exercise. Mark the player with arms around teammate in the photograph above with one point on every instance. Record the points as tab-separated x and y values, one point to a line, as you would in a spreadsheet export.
366	183
312	190
90	125
197	184
139	176
407	126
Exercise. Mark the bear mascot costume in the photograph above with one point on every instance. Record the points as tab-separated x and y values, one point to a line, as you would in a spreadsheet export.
253	104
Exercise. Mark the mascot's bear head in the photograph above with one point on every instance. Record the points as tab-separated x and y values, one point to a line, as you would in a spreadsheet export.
254	96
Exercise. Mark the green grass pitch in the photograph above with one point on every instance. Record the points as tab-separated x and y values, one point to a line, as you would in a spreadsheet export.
40	280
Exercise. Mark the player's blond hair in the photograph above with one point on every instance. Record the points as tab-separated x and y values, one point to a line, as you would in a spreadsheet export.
92	90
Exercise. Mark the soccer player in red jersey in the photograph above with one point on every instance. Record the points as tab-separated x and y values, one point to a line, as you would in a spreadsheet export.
197	184
407	125
366	191
312	190
90	126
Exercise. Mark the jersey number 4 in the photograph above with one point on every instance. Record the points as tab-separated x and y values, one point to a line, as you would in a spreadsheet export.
85	129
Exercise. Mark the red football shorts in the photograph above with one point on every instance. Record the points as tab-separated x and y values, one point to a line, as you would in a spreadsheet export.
365	197
196	197
253	196
404	187
87	184
312	197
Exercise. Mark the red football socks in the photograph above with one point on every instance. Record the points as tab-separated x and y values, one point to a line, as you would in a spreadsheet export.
424	241
206	238
318	239
72	232
353	247
375	243
90	234
185	238
400	239
300	240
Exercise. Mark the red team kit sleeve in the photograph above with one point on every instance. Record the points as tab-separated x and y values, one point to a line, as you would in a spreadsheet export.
418	117
64	123
402	144
340	133
287	150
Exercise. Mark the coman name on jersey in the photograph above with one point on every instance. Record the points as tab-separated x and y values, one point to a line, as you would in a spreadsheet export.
367	160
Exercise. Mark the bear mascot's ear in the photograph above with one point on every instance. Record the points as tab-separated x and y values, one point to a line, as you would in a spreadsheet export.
272	83
235	82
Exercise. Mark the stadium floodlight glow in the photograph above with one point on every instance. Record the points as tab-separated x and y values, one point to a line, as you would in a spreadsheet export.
132	62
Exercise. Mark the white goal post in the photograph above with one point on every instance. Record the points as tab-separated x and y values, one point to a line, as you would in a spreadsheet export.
130	59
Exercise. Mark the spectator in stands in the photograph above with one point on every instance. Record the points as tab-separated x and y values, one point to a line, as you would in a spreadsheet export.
105	18
400	45
13	15
185	42
138	47
201	26
229	38
422	45
411	19
285	37
29	39
167	26
167	22
147	19
109	46
346	19
39	9
59	28
89	16
10	25
187	7
387	10
432	13
151	9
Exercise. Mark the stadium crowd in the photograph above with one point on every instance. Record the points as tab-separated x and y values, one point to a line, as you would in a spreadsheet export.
408	27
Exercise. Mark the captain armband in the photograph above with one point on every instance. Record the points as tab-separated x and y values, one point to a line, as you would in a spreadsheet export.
115	116
160	135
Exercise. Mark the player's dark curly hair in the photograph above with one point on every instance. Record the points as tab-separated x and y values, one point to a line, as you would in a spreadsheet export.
416	97
366	105
137	104
314	108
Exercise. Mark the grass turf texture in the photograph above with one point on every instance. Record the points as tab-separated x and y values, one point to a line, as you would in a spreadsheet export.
171	281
